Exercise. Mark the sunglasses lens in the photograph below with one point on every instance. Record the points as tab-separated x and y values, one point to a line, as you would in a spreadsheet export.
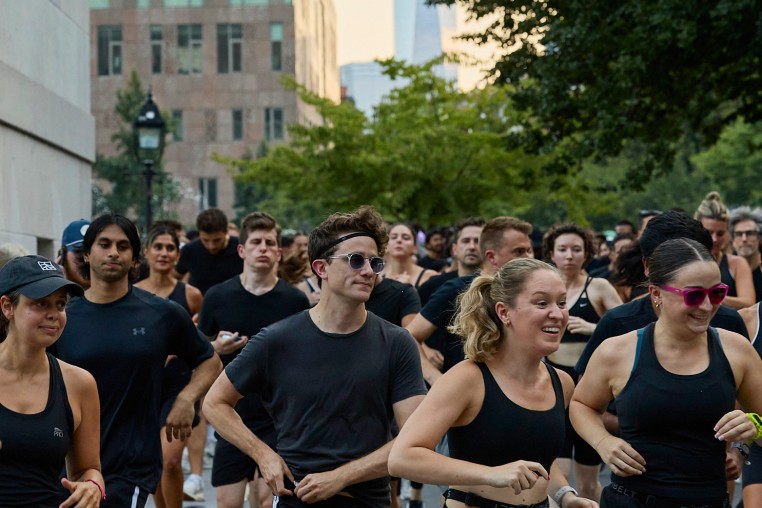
377	264
694	297
717	295
356	261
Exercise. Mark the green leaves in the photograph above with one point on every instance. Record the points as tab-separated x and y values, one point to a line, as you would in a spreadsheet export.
428	153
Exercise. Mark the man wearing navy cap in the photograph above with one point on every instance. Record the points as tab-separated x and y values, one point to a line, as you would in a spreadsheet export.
71	255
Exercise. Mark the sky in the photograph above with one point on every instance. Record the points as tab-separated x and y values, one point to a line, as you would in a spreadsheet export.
365	30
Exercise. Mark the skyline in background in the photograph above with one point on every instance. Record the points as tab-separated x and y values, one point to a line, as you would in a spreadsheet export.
365	32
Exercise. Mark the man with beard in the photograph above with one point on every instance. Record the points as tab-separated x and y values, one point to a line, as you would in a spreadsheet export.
122	335
71	256
745	225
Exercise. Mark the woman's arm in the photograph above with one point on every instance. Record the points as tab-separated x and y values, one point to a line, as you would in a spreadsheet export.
604	296
453	401
194	298
592	395
83	463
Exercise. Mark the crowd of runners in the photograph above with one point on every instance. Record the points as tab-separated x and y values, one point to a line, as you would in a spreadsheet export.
482	357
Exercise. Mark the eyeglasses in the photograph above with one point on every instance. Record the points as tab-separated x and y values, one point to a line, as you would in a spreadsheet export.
357	261
695	296
739	234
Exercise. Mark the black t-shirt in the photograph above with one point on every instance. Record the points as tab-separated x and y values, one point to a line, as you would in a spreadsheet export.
440	310
330	395
229	306
429	263
392	300
637	314
124	345
428	288
207	269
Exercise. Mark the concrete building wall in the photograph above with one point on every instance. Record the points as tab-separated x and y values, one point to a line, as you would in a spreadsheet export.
47	135
207	99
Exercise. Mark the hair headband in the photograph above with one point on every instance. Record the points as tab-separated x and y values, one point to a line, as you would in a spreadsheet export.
341	239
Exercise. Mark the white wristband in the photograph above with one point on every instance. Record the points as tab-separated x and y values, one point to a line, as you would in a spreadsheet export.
560	493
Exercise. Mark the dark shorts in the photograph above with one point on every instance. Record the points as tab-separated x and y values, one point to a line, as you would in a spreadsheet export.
611	498
333	502
752	473
231	465
121	493
574	446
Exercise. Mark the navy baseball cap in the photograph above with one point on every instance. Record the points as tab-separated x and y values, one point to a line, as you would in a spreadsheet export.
35	277
74	234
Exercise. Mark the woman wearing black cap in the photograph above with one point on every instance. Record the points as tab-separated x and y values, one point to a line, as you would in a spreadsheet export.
49	410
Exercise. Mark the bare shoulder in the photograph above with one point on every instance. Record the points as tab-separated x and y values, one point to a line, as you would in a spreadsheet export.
735	343
464	379
615	350
737	262
192	291
77	380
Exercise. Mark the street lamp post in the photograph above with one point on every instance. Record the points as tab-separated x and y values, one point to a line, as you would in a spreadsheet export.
149	129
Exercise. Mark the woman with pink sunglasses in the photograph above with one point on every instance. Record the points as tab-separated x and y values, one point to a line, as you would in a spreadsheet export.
675	383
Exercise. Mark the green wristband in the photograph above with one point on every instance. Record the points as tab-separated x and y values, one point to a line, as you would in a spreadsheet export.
757	421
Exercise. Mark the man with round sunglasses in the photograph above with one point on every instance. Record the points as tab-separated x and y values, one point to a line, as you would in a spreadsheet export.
331	377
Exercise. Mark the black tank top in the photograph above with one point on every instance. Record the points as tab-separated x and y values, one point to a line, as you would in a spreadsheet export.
178	296
582	308
669	420
726	276
505	432
33	448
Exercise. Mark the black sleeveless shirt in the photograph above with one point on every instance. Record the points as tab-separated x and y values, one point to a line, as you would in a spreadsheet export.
582	308
33	448
726	276
669	419
178	296
505	432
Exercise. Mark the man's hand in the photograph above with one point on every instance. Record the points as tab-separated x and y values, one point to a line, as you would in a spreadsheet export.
433	355
228	342
180	419
319	486
273	469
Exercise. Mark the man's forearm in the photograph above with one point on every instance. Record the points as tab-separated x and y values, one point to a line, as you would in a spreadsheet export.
371	466
228	424
202	378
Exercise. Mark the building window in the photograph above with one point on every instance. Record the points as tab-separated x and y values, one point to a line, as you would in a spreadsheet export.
237	124
183	3
178	130
189	49
207	190
229	45
157	48
249	2
273	123
109	50
99	4
144	4
276	46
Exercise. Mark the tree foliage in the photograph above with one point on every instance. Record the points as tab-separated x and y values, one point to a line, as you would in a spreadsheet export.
596	76
428	153
126	192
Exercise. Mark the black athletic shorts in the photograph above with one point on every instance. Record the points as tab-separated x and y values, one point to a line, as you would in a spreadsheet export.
610	498
122	493
752	473
231	465
333	502
574	446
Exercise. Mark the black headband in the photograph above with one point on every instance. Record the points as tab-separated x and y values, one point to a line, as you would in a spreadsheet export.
341	239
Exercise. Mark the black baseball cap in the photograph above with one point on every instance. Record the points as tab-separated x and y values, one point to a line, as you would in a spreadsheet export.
35	277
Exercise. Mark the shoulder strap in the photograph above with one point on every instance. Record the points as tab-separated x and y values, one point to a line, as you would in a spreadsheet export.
638	347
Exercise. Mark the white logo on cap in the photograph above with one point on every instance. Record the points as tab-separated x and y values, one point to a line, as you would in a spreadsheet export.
83	229
46	266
